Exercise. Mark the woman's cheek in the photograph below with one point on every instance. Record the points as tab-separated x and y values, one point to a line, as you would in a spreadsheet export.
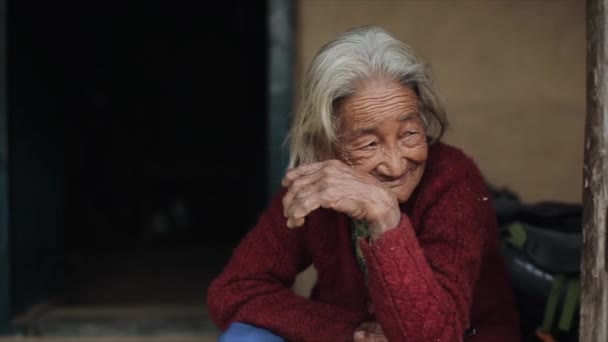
418	151
422	153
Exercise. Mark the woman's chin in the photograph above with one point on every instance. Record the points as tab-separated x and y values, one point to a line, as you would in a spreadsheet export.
402	193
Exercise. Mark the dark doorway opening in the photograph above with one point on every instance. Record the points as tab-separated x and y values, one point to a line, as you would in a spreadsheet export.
138	147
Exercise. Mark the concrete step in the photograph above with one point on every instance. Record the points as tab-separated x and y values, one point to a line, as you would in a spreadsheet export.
131	323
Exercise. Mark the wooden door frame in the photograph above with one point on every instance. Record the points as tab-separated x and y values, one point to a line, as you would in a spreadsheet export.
281	29
594	264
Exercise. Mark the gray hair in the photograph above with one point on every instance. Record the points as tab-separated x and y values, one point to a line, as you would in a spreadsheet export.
357	55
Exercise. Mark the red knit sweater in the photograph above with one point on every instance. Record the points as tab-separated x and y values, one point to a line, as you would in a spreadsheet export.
435	275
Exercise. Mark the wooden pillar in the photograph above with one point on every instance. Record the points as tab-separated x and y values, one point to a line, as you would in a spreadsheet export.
594	268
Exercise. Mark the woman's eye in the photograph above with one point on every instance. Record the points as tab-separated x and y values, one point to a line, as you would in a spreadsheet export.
371	144
409	134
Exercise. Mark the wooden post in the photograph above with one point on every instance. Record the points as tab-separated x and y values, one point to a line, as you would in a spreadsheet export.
594	268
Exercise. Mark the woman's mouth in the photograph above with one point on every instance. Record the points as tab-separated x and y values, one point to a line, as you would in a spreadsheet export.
395	182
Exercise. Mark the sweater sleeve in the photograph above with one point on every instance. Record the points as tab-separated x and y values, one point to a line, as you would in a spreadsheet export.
255	286
421	286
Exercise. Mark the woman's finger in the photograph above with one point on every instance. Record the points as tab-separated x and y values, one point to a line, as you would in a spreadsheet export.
359	336
307	193
330	193
301	207
300	187
299	171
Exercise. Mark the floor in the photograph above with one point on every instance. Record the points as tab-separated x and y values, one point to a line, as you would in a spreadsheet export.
148	293
137	321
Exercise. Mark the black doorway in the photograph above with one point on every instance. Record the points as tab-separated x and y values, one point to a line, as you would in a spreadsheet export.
139	131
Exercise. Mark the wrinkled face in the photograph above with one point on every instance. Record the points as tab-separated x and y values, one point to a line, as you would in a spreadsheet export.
383	134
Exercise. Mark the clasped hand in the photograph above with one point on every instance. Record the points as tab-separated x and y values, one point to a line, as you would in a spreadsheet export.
334	185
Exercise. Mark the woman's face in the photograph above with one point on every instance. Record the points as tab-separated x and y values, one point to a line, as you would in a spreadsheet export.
382	133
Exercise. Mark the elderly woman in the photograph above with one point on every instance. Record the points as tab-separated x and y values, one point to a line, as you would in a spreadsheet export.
399	225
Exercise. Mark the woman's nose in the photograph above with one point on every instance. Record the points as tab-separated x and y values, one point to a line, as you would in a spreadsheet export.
393	164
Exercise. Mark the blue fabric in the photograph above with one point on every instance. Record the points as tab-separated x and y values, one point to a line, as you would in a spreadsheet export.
241	332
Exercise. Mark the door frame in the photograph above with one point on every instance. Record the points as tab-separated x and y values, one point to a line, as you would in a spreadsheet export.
594	263
281	31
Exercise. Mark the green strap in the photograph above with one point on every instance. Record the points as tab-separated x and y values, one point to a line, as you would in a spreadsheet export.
556	289
517	238
517	235
570	304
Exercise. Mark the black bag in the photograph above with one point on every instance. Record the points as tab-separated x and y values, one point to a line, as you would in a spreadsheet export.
542	245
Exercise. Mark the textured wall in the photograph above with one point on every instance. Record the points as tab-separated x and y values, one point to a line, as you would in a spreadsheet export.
512	74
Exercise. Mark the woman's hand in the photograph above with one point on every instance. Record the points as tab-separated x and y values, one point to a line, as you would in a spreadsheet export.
334	185
369	332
